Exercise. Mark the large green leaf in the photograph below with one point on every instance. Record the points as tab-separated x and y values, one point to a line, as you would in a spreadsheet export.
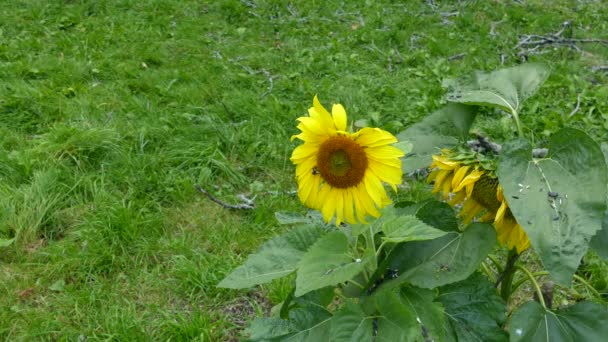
408	228
309	323
474	312
442	128
429	314
600	241
326	263
397	321
276	258
439	215
350	323
559	200
450	258
506	88
584	321
268	329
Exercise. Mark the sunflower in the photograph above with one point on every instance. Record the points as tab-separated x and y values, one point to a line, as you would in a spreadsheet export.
480	191
341	173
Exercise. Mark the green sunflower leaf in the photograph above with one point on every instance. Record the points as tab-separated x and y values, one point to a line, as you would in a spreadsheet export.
443	128
397	321
408	228
559	200
450	258
430	317
309	323
275	259
350	323
506	88
600	240
327	263
439	215
474	312
584	321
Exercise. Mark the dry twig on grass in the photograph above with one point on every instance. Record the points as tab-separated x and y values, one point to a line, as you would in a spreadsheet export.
530	44
578	106
247	203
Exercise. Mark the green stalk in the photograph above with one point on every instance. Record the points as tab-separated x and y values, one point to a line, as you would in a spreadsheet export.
508	274
520	132
589	286
539	293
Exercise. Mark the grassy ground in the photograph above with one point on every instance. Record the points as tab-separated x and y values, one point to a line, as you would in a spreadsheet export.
111	112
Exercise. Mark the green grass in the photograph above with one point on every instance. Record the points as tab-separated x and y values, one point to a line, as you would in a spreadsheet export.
111	112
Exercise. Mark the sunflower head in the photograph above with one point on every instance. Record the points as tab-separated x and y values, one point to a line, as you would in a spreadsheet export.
471	180
342	173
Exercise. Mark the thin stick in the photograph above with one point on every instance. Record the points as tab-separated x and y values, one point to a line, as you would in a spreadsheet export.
578	106
247	204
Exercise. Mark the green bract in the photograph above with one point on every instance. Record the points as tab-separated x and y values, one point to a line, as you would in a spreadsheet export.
418	273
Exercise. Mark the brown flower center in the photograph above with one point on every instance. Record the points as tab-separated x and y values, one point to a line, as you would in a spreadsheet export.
484	192
342	162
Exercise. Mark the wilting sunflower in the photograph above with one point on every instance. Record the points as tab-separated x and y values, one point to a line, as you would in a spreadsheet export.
341	173
481	192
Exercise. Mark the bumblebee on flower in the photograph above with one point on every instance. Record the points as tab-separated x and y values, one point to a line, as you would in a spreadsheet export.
342	173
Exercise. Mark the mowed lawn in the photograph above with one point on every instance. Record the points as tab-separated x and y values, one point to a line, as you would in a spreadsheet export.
112	111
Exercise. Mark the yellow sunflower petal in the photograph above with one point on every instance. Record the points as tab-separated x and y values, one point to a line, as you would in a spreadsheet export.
488	217
374	137
499	195
439	180
432	176
459	175
339	115
458	197
305	186
500	213
329	206
339	207
444	163
348	207
469	210
366	200
471	178
447	186
303	151
387	174
384	152
374	187
359	208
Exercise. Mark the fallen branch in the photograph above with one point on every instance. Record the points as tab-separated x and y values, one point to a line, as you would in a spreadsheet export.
270	83
599	68
533	43
247	204
456	57
578	106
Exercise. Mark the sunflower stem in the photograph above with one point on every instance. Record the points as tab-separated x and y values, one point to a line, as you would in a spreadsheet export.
506	278
488	272
496	263
589	286
520	132
373	246
539	293
521	281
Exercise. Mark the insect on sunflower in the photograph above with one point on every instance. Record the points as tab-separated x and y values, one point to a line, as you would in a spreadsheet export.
479	191
341	173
